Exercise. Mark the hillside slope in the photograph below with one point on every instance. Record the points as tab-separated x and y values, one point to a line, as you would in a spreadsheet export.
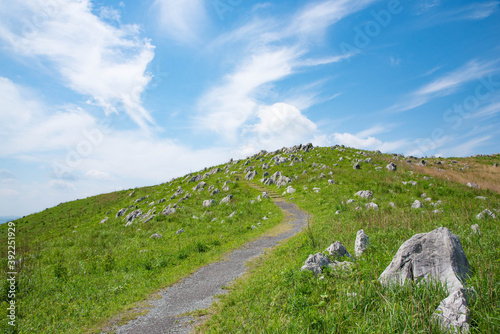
82	264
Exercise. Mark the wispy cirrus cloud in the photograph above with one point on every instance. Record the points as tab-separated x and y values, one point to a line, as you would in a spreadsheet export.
270	51
182	20
446	84
104	61
435	15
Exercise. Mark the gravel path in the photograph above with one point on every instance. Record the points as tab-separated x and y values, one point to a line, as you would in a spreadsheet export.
198	290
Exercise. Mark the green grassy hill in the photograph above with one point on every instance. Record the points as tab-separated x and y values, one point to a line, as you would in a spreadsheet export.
79	270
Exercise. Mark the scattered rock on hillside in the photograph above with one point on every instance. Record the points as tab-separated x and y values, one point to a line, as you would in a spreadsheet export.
364	194
200	186
361	244
232	214
485	213
265	195
437	254
169	210
215	192
475	229
472	185
331	181
481	197
316	190
349	201
290	190
316	262
104	220
226	199
133	215
391	166
417	204
338	250
120	213
371	205
156	235
208	202
392	204
356	166
250	175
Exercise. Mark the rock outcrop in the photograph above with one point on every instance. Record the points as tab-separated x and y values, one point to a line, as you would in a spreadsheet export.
362	243
435	255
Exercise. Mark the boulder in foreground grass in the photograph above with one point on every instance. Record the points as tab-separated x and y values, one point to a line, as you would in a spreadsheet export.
435	255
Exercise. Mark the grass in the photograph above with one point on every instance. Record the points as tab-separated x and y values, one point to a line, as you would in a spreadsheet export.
277	297
77	273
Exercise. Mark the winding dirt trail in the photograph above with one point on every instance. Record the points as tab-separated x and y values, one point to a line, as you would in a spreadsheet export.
198	290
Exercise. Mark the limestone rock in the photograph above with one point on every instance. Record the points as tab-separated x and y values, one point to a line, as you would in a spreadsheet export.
371	205
453	313
438	254
156	235
208	202
391	167
485	213
265	195
361	244
316	262
338	250
250	175
417	204
226	199
364	194
472	185
331	181
120	213
356	166
475	229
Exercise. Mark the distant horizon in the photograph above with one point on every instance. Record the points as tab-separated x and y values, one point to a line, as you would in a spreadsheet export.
97	97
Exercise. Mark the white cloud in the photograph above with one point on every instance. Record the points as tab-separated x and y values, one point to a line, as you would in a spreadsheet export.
182	20
366	140
281	125
105	62
477	11
4	192
447	84
27	126
467	148
62	185
98	175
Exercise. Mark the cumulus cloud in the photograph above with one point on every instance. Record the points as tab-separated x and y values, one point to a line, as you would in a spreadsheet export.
282	124
103	61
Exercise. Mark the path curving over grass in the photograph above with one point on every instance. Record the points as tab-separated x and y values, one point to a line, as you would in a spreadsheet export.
198	290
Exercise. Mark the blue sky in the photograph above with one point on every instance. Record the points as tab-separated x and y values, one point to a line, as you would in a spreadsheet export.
98	96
